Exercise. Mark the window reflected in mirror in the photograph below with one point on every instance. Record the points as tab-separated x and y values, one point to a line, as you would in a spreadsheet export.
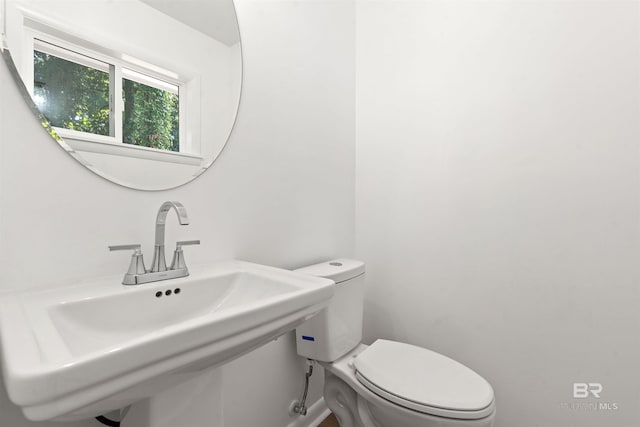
73	91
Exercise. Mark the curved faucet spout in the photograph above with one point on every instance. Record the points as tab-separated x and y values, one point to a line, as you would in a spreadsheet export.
161	219
159	263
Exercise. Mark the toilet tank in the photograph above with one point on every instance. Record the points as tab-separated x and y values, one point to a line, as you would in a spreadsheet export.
338	328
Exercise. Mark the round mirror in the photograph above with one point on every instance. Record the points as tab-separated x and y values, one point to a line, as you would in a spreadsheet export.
142	92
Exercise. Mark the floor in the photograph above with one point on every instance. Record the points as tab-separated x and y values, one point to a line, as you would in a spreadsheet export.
330	421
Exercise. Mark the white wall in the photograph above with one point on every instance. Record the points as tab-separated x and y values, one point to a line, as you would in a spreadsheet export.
497	194
282	193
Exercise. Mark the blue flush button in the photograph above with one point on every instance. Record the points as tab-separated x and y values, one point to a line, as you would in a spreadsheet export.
307	338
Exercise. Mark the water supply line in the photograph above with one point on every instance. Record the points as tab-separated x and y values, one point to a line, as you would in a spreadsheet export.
299	406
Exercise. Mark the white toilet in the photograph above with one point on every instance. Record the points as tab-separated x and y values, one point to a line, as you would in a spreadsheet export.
386	384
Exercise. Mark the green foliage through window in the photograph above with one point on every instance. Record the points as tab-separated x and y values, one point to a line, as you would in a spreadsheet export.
71	95
150	116
74	96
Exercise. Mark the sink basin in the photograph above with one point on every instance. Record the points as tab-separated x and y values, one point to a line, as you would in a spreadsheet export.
80	351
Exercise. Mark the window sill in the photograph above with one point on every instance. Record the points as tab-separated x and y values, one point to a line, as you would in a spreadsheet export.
107	145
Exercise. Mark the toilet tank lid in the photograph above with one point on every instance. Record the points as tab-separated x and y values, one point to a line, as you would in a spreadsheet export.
338	270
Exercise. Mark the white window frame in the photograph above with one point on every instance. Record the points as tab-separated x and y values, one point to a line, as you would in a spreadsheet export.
130	68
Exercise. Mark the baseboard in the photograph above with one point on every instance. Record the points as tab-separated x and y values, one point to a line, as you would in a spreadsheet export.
315	415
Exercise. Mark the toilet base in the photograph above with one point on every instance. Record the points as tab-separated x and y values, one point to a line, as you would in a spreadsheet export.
341	399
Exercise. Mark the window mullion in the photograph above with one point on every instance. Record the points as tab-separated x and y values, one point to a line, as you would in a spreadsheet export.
117	103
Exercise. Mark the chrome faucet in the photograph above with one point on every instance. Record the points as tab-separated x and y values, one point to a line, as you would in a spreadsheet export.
137	273
159	262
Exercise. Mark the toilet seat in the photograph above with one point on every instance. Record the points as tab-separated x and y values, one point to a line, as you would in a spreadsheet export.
424	381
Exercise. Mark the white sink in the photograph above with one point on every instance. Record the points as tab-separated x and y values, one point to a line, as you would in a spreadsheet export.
80	351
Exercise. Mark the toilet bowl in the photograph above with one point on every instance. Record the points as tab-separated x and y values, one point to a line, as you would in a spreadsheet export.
388	383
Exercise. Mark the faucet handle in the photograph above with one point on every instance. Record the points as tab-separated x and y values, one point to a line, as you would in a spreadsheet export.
133	246
182	243
137	262
178	256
